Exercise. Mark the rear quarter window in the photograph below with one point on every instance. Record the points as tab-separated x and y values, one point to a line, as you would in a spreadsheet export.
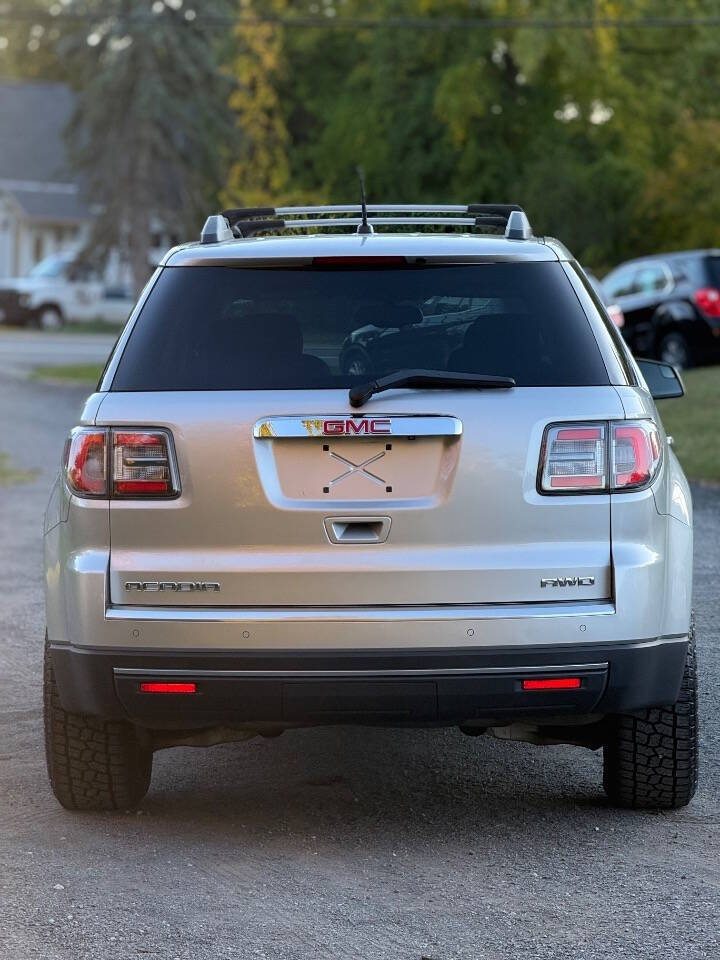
249	328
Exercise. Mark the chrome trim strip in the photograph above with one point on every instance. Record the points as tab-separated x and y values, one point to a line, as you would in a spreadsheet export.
374	221
385	426
508	611
420	672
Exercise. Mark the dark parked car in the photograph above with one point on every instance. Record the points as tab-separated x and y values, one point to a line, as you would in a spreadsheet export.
671	305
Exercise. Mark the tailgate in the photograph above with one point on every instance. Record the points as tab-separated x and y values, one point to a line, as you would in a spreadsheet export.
291	499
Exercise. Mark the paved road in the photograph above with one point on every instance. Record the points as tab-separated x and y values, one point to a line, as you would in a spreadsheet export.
21	350
337	844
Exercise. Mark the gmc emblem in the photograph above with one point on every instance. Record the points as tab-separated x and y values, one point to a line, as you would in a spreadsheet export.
354	427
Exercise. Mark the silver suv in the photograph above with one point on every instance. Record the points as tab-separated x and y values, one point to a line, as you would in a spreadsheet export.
402	478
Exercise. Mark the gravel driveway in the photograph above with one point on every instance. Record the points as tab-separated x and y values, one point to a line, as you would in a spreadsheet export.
337	843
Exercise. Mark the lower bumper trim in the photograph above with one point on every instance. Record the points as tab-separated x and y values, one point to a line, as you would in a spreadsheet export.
419	686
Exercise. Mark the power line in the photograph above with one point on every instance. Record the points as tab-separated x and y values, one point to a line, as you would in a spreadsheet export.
325	22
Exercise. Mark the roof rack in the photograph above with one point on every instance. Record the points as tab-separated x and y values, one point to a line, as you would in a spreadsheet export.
247	221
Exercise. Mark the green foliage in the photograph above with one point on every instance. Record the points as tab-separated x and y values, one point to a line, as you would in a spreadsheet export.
608	137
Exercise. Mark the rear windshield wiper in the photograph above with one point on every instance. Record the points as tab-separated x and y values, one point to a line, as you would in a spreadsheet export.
430	379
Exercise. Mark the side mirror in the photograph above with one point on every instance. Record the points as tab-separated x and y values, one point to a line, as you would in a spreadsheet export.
662	379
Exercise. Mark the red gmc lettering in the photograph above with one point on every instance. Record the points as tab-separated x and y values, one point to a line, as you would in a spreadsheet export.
334	426
350	427
380	426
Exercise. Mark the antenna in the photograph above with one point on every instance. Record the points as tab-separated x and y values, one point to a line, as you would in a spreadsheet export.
364	227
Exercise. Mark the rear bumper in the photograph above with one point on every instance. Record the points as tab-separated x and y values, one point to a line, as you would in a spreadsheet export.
430	686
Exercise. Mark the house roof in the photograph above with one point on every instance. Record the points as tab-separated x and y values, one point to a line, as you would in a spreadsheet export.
34	164
55	206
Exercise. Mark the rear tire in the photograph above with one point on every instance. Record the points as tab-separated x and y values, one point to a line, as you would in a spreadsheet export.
93	764
651	757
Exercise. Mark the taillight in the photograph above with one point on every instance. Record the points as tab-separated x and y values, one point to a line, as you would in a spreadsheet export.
138	463
142	464
599	457
616	315
635	454
575	458
85	462
707	299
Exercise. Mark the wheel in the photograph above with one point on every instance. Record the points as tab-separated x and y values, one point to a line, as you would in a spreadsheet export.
651	757
93	764
49	318
356	364
675	349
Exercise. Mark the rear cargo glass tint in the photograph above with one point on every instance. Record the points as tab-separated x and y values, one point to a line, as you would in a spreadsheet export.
240	328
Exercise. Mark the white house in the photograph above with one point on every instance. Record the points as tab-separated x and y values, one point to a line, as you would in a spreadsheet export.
42	208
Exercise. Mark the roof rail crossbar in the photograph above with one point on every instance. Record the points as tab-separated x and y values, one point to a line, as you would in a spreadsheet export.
494	209
247	221
481	209
248	227
490	221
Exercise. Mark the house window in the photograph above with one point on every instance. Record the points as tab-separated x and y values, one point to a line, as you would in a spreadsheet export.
38	247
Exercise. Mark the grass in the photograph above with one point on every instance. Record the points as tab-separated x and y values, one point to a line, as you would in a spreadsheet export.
90	326
694	423
9	474
72	373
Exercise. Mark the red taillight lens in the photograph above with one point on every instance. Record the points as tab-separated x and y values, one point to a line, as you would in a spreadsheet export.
553	683
707	299
86	462
635	454
142	464
575	458
168	687
599	457
616	315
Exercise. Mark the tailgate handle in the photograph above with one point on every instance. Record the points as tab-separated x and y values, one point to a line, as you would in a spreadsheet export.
357	529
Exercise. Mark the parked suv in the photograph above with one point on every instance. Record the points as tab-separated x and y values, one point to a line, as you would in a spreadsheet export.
246	536
671	305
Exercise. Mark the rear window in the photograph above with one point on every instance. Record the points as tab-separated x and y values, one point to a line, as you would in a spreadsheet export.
240	328
713	264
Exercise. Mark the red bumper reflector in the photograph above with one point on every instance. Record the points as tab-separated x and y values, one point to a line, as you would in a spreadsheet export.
168	688
552	683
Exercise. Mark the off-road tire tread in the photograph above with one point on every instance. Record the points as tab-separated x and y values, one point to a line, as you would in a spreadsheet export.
651	757
93	764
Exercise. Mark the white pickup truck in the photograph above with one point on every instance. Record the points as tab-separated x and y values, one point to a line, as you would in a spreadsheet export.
60	290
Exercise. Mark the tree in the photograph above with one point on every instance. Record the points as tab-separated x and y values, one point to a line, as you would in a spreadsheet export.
585	128
152	131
